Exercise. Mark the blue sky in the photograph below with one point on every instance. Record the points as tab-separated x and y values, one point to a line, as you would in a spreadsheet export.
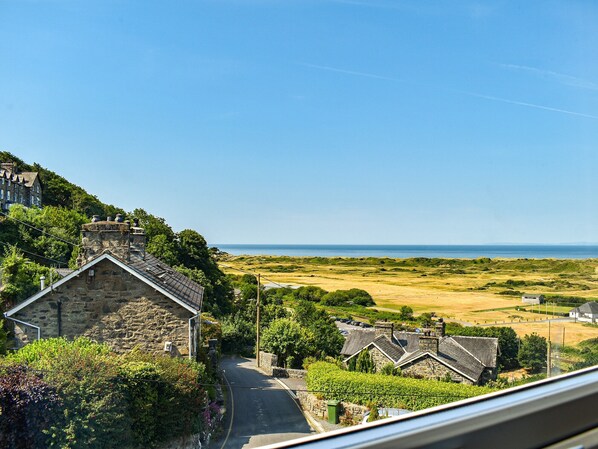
315	121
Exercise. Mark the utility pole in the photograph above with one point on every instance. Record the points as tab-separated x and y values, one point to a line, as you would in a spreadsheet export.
548	354
257	332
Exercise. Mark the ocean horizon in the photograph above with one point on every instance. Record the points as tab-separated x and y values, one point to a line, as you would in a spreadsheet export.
510	251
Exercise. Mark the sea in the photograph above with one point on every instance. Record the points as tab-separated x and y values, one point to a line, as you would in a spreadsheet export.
409	251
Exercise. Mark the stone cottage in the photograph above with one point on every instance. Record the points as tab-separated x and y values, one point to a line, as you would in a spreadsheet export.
429	354
119	295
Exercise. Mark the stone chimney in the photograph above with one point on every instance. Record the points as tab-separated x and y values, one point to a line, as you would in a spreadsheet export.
384	328
428	342
9	166
117	237
440	328
137	239
101	236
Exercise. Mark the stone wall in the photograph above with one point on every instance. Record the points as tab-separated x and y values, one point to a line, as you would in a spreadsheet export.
289	373
378	358
349	413
268	362
112	306
430	368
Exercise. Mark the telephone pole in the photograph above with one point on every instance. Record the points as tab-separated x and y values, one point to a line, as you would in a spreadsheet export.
257	324
548	354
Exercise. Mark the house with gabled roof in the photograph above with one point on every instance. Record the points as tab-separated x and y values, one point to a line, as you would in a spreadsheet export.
18	187
119	295
427	354
587	312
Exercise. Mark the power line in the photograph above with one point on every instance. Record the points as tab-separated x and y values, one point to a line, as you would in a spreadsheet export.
262	388
39	230
33	254
252	273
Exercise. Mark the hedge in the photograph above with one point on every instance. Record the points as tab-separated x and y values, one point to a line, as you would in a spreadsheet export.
109	400
331	382
28	406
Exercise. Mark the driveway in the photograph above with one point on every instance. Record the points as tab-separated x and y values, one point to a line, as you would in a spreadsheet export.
260	411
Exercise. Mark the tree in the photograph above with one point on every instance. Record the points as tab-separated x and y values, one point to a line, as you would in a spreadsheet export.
285	338
20	277
309	293
364	362
353	296
326	339
406	313
532	353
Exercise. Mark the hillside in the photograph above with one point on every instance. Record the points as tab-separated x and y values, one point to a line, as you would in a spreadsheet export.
51	236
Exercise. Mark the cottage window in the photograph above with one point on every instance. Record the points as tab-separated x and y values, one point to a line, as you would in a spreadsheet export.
8	195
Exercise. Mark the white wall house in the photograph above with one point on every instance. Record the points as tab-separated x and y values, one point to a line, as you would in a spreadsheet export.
587	312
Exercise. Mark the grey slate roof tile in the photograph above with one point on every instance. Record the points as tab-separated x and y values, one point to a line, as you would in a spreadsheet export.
175	283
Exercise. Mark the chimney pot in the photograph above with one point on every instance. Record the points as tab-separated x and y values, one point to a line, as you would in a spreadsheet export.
136	222
95	219
119	218
109	218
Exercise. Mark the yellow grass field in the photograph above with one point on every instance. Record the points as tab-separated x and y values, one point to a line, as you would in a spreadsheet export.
461	291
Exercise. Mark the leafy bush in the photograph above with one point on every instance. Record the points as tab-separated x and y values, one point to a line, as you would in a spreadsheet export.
532	352
84	375
28	406
354	296
309	293
117	401
330	382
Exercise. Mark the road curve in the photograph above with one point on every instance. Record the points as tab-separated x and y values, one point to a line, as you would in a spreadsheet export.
259	412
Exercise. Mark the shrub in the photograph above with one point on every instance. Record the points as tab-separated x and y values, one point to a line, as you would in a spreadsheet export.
28	406
117	401
347	297
390	370
84	375
389	391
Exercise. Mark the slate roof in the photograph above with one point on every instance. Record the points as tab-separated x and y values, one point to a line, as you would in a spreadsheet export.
357	340
467	355
177	284
169	282
482	348
395	352
589	307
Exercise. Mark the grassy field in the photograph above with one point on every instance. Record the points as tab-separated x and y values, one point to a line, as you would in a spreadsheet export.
480	291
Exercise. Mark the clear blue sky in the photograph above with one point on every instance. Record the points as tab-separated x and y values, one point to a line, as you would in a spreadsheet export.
314	121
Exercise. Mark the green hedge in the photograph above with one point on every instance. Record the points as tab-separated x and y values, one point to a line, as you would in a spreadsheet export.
136	400
331	382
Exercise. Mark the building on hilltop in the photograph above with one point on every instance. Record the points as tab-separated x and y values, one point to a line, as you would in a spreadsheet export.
429	354
119	295
587	312
19	187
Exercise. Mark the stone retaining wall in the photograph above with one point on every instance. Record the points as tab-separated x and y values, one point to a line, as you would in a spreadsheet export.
289	373
350	414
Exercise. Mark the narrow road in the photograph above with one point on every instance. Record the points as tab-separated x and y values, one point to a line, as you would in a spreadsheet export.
260	411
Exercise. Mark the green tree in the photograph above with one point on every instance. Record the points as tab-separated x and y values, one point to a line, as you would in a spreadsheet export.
353	296
326	339
20	277
285	337
532	352
406	313
309	293
364	363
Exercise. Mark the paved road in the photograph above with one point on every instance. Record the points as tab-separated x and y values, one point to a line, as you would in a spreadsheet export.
262	412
